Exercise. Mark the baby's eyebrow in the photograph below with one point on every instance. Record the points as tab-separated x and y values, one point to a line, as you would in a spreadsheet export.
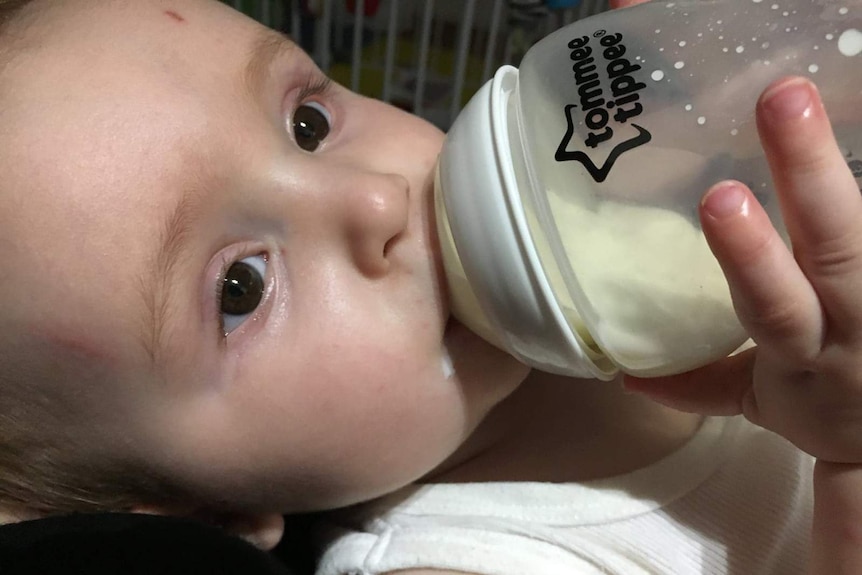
157	284
269	47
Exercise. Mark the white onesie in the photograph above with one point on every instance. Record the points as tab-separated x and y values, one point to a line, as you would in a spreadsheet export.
734	499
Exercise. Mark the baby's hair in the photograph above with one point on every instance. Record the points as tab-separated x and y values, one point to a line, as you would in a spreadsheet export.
47	464
9	9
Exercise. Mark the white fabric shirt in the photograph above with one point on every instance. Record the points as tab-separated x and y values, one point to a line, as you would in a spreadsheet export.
734	499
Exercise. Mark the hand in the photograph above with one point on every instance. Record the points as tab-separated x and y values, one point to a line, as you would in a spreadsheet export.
803	309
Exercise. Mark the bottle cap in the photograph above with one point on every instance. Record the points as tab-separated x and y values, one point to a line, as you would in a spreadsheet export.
482	206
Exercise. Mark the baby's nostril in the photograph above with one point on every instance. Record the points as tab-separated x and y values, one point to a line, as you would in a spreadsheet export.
387	247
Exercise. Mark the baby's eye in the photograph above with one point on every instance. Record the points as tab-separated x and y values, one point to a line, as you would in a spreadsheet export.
310	125
242	291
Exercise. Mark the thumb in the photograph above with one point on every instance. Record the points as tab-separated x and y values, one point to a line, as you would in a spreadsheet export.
716	389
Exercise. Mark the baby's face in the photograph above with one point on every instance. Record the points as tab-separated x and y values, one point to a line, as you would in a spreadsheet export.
154	149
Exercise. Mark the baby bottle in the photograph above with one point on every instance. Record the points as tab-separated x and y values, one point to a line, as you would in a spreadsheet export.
567	190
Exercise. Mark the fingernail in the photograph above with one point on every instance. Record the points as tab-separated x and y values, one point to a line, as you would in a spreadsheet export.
788	99
724	200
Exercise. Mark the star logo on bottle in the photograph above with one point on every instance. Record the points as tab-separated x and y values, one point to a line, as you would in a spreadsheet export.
598	173
603	102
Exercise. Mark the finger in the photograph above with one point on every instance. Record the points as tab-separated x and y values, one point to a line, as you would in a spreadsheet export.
819	197
717	389
836	543
771	296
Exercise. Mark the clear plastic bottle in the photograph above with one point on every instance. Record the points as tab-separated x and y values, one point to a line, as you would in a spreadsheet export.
567	190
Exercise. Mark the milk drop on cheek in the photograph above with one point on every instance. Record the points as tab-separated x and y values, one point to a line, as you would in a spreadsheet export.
447	366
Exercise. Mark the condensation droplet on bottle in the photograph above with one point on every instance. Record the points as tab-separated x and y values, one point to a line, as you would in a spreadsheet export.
701	120
830	36
765	45
740	49
688	107
657	75
812	68
850	42
724	49
734	132
682	43
679	64
757	1
843	10
658	30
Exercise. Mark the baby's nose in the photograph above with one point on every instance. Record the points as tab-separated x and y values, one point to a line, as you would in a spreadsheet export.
375	213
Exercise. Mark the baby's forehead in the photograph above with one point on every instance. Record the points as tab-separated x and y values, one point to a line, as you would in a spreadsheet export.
105	130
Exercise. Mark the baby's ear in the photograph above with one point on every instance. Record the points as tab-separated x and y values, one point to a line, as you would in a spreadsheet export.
17	514
263	530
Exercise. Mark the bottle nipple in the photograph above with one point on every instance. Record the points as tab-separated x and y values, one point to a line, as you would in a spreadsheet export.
462	300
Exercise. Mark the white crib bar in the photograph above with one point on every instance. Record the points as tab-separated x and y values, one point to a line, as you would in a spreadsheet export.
585	8
358	26
424	42
265	13
391	40
491	47
323	31
295	24
463	49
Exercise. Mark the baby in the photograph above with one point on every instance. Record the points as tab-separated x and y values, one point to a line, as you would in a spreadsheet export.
224	300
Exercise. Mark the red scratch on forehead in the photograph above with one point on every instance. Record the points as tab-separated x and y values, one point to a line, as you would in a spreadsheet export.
174	15
75	345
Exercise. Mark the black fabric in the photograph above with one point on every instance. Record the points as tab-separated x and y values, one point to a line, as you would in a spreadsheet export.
298	548
129	544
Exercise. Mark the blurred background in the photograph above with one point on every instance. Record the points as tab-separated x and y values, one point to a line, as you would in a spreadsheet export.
427	57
